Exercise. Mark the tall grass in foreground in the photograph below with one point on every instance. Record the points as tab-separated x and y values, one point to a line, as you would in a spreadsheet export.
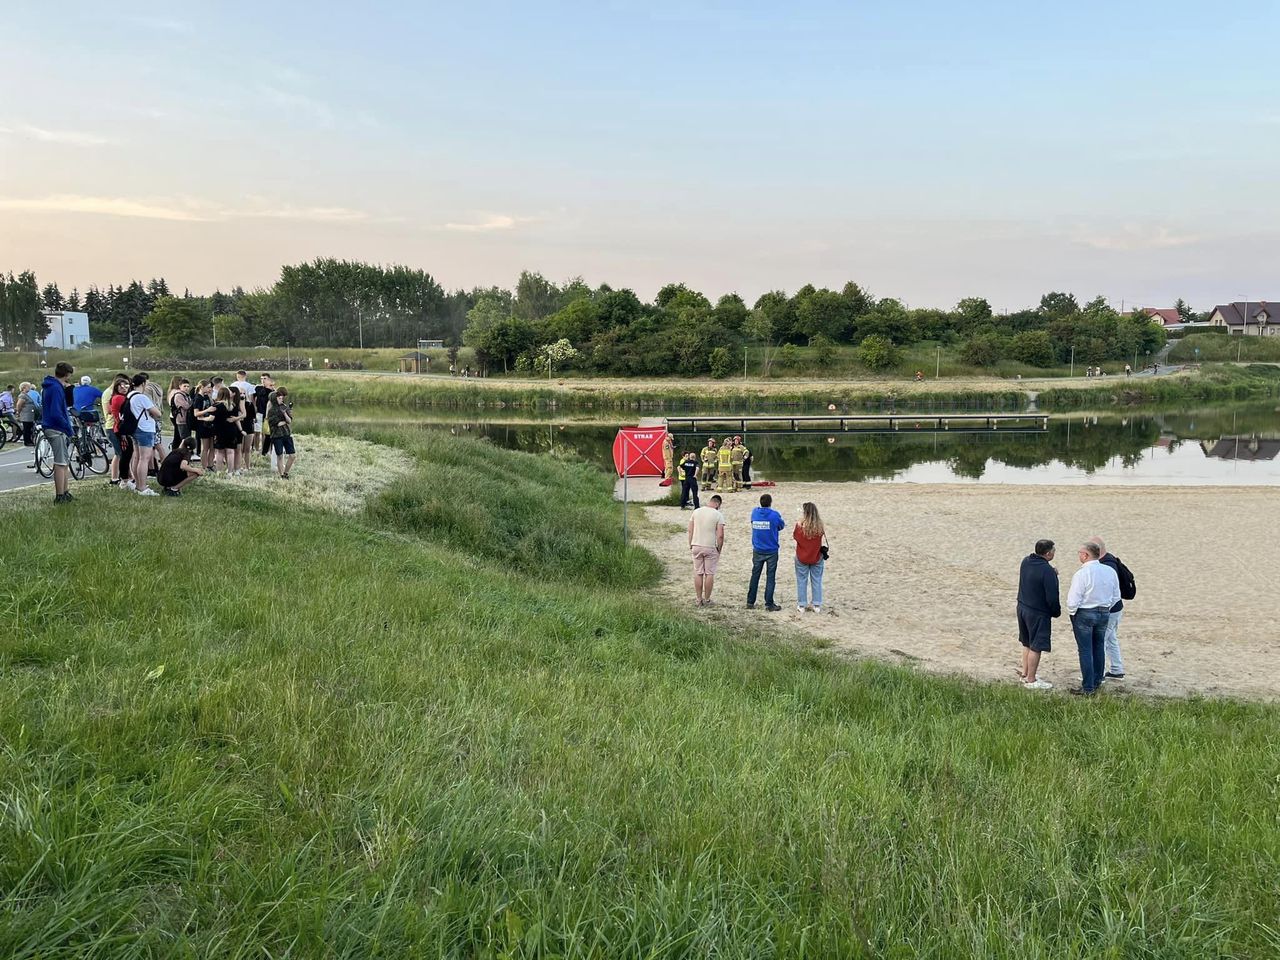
387	739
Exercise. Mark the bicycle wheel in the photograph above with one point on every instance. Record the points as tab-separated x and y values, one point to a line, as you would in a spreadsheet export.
95	457
44	457
75	462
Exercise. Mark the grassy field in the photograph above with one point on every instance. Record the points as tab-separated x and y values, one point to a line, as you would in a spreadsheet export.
456	725
1208	347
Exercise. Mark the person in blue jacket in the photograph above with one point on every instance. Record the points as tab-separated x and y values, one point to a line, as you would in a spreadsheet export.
766	523
57	426
86	398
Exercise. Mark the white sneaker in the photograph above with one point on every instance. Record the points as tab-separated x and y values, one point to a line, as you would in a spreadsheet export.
817	609
126	485
147	492
799	609
1037	684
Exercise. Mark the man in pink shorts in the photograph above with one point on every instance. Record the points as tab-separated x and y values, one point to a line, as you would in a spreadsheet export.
706	540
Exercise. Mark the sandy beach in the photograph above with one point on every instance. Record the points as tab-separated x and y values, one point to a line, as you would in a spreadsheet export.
927	575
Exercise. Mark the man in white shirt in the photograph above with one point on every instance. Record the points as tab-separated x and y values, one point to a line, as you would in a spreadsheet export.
706	540
1095	589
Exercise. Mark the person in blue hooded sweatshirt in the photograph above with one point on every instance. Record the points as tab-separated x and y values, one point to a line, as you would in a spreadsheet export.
57	426
766	523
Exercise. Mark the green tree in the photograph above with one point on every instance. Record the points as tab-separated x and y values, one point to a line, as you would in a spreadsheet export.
536	297
877	352
974	309
721	362
1057	305
52	297
730	312
985	350
1185	313
1033	347
176	324
824	313
230	330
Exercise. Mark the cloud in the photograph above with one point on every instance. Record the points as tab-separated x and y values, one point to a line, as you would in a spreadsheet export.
184	210
490	224
71	138
1132	237
109	206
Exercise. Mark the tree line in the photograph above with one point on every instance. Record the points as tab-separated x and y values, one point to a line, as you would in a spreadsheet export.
601	330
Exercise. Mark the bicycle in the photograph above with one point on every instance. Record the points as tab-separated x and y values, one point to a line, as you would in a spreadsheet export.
43	453
86	449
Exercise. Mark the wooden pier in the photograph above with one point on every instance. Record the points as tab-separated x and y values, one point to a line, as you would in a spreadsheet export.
865	423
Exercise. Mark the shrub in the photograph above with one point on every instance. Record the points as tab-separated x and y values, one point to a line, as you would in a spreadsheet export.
983	351
877	352
824	350
1033	347
721	362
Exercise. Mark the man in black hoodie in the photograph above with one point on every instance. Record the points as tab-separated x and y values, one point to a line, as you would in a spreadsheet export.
1038	604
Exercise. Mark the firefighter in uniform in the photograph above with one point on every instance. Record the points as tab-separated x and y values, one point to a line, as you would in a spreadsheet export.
724	469
708	458
668	458
739	457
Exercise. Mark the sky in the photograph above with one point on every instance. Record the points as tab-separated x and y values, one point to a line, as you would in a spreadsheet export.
928	151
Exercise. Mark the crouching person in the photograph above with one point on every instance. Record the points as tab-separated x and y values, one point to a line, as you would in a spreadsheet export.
178	471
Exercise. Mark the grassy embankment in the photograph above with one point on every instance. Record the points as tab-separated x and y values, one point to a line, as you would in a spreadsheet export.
457	726
1219	347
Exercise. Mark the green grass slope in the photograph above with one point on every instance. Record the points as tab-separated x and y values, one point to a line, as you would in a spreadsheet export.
460	727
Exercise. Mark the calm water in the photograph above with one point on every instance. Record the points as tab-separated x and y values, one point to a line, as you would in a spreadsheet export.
1231	446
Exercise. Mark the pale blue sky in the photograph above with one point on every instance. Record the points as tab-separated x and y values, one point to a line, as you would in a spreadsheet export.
929	151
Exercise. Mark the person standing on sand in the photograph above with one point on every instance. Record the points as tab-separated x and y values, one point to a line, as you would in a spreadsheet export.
1095	588
1128	590
689	481
737	456
708	458
809	535
724	469
766	524
1038	604
706	541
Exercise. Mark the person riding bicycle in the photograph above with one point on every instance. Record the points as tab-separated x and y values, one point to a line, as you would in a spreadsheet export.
85	400
7	404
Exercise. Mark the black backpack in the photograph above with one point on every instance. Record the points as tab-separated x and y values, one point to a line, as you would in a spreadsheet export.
1128	586
128	420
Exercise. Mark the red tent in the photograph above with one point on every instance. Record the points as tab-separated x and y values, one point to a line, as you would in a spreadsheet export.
637	451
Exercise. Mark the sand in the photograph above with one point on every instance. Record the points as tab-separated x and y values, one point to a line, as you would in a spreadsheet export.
927	575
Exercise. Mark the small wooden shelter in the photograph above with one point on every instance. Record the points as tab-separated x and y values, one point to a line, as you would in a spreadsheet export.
414	362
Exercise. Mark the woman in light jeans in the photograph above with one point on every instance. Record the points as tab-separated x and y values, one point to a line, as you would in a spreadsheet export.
810	536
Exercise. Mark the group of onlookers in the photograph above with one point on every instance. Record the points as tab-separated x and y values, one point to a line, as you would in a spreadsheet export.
214	426
706	543
1095	604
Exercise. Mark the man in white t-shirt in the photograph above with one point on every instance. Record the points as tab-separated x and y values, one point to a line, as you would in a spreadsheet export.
706	541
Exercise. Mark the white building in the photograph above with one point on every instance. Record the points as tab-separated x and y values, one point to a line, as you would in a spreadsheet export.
68	330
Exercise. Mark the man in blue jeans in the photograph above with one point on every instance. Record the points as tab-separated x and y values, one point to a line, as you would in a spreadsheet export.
1095	589
765	524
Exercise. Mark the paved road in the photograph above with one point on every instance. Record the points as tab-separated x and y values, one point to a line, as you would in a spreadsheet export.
14	461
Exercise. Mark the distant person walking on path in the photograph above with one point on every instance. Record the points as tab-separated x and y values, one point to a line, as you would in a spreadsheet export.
56	422
809	535
689	481
1038	604
1128	590
706	542
1095	589
766	524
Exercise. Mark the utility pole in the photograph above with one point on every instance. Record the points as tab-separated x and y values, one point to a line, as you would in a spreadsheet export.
937	373
1073	360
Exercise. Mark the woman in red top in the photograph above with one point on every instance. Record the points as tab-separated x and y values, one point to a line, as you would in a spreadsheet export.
809	536
119	390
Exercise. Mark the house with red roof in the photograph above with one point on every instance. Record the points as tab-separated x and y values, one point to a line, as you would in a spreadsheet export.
1166	316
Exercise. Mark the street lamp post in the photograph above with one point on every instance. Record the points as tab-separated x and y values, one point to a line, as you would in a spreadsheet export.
1073	360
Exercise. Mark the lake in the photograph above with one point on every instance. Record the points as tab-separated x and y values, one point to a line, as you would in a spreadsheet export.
1236	445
